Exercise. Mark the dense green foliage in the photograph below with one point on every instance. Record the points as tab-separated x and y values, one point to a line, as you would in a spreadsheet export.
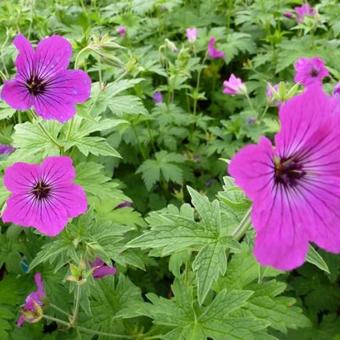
182	251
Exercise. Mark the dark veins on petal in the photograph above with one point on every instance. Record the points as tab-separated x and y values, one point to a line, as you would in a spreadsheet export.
288	171
41	190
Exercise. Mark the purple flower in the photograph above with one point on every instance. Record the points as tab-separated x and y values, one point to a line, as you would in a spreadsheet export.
303	11
336	90
43	195
6	149
157	97
310	70
31	310
43	81
234	86
288	15
294	186
212	51
124	204
191	34
101	269
121	31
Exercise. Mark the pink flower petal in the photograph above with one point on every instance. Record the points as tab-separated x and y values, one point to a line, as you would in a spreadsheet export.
15	94
52	56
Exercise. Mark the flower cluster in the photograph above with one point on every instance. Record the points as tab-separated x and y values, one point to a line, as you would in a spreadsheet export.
43	195
294	185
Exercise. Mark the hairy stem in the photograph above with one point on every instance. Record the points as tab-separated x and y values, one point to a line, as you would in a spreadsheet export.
86	330
242	227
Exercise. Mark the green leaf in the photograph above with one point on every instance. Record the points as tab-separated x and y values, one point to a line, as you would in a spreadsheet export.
315	258
279	311
209	212
127	104
175	233
110	299
6	111
209	265
30	138
225	303
96	145
164	165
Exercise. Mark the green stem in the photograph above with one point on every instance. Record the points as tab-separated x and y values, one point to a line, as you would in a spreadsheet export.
198	84
242	227
69	130
79	54
86	330
249	102
62	322
260	116
138	141
76	306
47	134
58	309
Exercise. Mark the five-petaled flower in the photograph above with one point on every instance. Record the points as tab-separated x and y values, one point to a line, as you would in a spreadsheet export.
295	186
304	11
212	51
43	195
31	310
43	81
101	269
191	34
234	86
310	70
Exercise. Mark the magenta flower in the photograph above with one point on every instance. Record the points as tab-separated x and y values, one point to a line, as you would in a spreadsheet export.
31	310
234	86
121	31
191	34
336	90
43	81
157	97
6	149
101	269
288	15
294	186
212	51
43	195
310	70
304	11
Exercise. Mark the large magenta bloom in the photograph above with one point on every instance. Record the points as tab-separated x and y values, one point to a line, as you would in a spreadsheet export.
43	81
295	186
31	310
43	196
309	71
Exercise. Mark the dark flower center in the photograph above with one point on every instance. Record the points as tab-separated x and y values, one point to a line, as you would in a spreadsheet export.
314	72
288	171
35	85
41	190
